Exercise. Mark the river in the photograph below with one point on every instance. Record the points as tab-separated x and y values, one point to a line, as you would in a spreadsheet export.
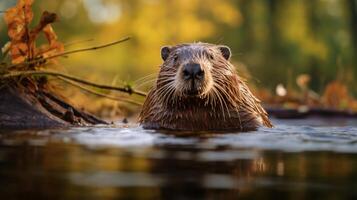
298	159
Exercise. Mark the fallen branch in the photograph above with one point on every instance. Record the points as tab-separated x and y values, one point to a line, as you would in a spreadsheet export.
126	89
87	117
39	60
100	94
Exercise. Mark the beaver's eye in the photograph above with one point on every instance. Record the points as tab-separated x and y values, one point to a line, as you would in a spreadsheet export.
175	58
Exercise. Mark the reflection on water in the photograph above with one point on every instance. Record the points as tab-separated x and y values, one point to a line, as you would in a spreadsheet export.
301	159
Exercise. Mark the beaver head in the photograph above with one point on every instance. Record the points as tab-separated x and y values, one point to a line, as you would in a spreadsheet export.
198	84
191	67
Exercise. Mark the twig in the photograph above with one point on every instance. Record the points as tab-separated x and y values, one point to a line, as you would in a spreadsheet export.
128	90
69	52
100	94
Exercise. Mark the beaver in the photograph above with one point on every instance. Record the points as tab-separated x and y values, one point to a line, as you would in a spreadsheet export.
198	89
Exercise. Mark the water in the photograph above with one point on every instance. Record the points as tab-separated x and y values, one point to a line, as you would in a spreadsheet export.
298	159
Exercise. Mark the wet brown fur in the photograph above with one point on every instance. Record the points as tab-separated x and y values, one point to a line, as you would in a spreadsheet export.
228	105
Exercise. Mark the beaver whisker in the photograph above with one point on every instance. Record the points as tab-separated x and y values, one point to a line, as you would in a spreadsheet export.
167	73
219	74
228	93
166	76
223	103
163	90
207	100
212	99
220	100
225	93
165	81
144	83
153	75
165	97
168	93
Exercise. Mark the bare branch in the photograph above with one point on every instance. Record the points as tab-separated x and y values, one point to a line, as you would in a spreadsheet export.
100	94
126	89
39	60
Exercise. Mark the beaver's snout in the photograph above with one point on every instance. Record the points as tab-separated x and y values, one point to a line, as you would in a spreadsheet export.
193	71
193	74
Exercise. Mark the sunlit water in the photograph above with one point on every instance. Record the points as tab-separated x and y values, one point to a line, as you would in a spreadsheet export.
298	159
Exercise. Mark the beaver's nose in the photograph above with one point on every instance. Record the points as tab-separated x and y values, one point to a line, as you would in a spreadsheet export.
192	71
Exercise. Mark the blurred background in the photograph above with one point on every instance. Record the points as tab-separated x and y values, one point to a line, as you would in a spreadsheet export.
281	46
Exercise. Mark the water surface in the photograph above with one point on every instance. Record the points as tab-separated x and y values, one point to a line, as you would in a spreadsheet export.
298	159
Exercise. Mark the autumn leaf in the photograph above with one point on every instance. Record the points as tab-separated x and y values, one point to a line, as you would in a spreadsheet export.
23	40
17	19
54	46
45	20
20	14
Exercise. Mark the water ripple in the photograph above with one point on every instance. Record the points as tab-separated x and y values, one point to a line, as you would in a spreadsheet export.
289	136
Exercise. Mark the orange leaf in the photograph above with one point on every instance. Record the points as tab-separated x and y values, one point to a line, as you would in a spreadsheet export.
46	19
17	19
45	27
55	46
18	52
22	40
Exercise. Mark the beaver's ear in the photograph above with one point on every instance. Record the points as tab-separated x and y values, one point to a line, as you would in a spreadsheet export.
226	52
165	52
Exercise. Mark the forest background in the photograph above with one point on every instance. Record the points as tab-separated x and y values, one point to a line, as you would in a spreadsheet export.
298	48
